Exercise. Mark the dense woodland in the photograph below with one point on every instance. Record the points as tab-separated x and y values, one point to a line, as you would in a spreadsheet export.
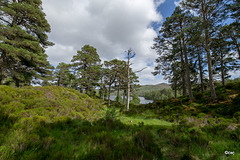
70	115
198	44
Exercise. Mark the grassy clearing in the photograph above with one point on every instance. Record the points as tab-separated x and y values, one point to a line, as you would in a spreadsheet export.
141	120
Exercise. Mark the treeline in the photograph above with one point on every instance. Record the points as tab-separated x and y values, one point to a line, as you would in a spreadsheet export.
85	73
157	94
23	61
199	44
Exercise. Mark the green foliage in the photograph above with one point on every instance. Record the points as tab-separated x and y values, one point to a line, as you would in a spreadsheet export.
87	66
23	40
158	94
135	100
202	98
59	123
149	88
64	77
111	114
221	93
233	86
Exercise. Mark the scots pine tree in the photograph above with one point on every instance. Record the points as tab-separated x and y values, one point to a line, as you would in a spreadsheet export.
23	39
87	66
211	14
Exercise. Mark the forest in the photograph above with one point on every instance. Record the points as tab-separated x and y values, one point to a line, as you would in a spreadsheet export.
65	111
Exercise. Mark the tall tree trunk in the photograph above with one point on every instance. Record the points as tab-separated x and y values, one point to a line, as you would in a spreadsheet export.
175	92
103	94
124	96
222	69
184	90
200	70
109	89
187	70
207	48
118	94
211	82
128	88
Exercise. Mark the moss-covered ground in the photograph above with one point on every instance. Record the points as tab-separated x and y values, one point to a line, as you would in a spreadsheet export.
59	123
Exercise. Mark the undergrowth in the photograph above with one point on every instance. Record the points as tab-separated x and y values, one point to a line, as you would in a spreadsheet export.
60	123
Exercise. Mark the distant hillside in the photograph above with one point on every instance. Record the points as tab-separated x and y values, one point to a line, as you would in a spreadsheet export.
147	88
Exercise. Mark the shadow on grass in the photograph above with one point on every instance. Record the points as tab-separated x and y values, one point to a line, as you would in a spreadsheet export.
81	139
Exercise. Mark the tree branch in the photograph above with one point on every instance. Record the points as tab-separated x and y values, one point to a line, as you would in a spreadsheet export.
140	70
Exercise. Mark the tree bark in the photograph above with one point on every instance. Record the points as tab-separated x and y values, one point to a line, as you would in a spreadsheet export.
222	69
109	89
128	88
207	48
211	82
187	69
200	70
184	90
118	94
124	96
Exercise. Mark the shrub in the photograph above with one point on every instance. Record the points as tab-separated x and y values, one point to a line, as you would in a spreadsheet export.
111	114
199	97
144	139
201	115
235	107
233	86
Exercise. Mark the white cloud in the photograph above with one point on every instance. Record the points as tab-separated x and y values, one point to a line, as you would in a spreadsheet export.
159	2
235	74
177	3
110	26
60	53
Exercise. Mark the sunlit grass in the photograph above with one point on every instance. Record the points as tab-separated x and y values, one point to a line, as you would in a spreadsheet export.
141	119
137	120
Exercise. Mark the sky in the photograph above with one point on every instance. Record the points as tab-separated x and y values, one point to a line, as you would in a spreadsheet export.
111	26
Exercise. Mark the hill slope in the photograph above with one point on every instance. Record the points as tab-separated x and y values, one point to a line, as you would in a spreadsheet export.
24	112
157	87
51	102
59	123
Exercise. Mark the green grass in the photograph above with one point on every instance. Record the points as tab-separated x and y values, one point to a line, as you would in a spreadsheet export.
143	118
60	123
151	122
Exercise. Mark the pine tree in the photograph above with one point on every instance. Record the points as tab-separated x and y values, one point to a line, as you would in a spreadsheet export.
211	13
111	72
121	78
233	30
63	75
23	40
224	61
195	42
172	47
87	66
179	21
